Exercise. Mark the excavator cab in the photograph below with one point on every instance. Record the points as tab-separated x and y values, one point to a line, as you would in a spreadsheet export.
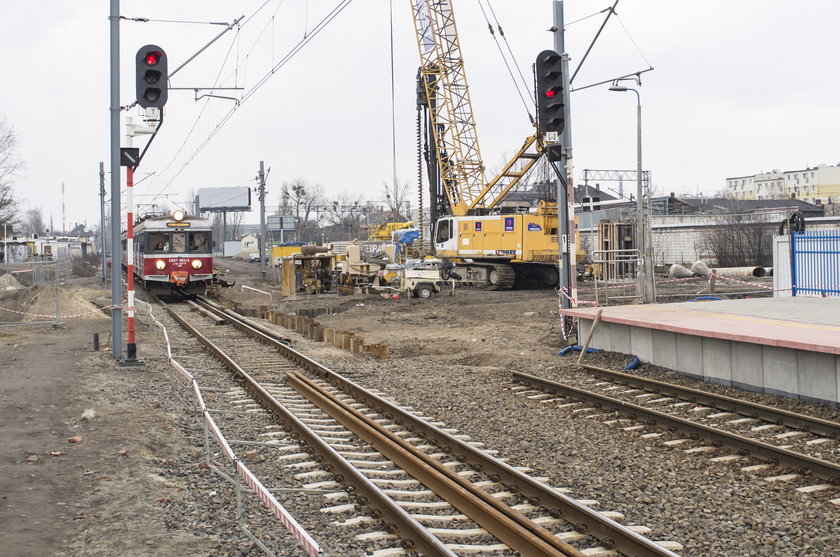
445	235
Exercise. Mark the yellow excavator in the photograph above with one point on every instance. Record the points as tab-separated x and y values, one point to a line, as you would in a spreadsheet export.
495	243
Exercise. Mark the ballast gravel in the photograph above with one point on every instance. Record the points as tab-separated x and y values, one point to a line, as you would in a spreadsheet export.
452	360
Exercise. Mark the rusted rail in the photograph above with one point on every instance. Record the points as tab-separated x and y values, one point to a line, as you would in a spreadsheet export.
777	416
585	520
395	519
502	521
744	445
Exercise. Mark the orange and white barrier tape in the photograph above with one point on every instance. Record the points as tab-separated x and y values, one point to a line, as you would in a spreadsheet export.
301	535
53	316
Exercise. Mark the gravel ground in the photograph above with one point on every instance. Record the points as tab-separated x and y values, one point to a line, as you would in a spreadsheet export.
451	358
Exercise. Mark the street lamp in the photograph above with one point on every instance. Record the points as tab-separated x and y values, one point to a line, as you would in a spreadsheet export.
646	275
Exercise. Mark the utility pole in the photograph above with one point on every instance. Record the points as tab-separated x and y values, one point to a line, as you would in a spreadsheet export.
102	220
261	243
116	246
63	213
565	195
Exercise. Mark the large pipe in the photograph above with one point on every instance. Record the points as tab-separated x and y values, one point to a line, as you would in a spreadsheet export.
741	272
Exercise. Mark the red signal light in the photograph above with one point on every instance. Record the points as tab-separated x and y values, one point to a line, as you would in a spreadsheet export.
550	94
152	58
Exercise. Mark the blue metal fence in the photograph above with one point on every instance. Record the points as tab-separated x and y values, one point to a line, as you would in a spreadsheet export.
815	262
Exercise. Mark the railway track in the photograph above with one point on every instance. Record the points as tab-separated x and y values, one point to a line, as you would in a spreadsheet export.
706	422
425	489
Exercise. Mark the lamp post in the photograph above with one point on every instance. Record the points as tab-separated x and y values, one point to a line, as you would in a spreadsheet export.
647	294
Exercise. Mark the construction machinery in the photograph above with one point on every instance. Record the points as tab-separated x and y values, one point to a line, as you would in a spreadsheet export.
496	242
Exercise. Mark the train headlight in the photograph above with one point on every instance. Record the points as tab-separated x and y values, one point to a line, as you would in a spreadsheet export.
178	215
196	263
160	264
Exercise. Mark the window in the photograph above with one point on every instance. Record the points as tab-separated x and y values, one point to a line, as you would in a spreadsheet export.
179	242
443	232
159	242
199	242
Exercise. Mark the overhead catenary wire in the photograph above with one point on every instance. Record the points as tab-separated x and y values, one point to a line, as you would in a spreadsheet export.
610	11
632	40
508	66
258	85
507	45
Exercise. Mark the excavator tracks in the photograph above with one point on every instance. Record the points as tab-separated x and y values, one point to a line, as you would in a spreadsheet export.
501	277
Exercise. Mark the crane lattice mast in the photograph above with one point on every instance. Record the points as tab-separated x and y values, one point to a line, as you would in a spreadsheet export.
444	78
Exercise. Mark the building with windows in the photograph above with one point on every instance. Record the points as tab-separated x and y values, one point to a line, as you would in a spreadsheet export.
819	185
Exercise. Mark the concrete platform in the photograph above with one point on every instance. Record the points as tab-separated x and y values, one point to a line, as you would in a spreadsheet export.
784	346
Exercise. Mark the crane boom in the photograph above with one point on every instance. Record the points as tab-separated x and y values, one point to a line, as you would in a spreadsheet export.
445	81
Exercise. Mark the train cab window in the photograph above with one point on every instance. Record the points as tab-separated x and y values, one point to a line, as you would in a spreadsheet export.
179	242
199	242
159	242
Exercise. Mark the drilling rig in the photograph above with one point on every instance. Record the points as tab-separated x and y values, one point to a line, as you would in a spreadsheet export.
496	241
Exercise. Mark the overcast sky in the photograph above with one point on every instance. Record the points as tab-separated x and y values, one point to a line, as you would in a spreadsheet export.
737	87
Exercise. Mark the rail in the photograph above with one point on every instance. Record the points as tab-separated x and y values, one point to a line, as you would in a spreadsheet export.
611	534
744	445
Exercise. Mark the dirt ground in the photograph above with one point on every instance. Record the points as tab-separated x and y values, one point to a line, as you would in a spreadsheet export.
88	446
83	450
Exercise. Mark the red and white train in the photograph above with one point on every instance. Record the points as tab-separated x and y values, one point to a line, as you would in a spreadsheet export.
172	253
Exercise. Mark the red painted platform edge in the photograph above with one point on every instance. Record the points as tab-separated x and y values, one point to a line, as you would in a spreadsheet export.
589	313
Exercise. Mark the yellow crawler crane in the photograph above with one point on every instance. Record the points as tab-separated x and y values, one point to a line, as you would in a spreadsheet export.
492	245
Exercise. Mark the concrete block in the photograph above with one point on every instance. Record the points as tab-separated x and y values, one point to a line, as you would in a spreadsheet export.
747	366
817	377
584	325
619	337
717	361
601	338
641	343
779	370
664	349
690	354
329	335
356	345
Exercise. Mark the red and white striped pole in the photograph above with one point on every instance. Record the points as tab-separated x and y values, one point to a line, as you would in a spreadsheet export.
131	348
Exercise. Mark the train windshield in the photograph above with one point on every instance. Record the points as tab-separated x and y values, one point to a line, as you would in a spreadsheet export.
199	242
159	242
179	242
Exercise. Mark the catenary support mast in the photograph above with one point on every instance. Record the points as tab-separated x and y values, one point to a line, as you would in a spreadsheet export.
116	246
565	193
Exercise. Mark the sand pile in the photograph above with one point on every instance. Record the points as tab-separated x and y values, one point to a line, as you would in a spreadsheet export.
42	303
9	284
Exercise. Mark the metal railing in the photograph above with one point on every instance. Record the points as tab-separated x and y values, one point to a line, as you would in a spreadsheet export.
31	274
616	274
815	262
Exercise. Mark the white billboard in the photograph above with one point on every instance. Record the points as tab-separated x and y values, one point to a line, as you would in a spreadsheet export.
224	199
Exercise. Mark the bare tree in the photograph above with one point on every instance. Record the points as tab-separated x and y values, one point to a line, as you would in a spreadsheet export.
346	213
229	223
741	240
9	165
303	200
192	193
398	200
34	223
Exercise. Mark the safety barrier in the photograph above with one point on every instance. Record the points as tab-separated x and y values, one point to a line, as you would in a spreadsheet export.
242	473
